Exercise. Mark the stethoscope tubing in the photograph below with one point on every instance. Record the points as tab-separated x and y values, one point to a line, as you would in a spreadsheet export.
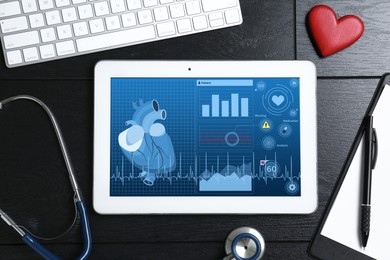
28	238
34	244
86	230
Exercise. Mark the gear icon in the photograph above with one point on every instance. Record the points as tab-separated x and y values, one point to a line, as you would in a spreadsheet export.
291	187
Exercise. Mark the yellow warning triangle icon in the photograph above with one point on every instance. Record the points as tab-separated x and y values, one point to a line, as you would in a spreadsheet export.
266	125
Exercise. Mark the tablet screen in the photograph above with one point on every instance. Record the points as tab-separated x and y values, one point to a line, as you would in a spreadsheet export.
205	137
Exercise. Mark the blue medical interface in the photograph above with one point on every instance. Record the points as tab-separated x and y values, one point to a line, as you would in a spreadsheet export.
205	137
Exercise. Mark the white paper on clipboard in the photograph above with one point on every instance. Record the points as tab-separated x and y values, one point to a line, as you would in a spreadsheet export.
343	222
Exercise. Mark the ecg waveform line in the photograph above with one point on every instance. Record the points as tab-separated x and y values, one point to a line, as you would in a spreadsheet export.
195	174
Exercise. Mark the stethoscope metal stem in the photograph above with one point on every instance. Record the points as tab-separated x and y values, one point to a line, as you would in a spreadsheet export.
59	137
11	223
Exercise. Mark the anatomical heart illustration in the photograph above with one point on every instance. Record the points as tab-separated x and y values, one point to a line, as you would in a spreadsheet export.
146	144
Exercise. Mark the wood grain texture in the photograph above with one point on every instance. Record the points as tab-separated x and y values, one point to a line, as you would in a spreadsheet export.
34	187
267	33
152	251
369	56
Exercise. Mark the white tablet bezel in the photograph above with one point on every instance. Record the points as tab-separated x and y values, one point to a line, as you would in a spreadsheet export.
105	204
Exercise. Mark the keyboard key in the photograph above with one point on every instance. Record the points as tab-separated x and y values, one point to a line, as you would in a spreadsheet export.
29	6
215	16
177	10
216	19
62	3
101	8
112	23
80	29
78	1
96	25
232	16
8	9
216	23
53	17
166	1
30	54
116	38
149	3
14	24
212	5
46	4
69	14
65	48
145	16
14	57
47	51
128	20
64	31
48	35
36	20
166	29
117	6
184	25
161	14
21	39
85	11
200	22
193	7
134	4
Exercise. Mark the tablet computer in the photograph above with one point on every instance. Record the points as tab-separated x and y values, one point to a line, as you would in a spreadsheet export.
195	137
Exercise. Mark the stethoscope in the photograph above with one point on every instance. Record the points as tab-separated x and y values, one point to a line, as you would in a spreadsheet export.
27	237
243	243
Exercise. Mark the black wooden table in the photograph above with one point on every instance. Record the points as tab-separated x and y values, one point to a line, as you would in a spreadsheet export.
33	181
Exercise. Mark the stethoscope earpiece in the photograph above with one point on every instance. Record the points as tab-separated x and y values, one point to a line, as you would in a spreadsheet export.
244	243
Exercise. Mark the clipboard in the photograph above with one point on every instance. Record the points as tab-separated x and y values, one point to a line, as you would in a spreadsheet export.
338	234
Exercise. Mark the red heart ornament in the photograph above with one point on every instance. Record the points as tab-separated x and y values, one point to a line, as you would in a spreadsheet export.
331	34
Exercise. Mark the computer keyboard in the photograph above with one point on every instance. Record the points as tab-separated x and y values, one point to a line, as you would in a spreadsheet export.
34	31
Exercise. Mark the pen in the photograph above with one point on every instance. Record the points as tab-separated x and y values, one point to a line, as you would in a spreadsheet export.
370	155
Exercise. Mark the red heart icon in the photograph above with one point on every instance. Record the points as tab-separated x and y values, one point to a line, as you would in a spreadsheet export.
331	34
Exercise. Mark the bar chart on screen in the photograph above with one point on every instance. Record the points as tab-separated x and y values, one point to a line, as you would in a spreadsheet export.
220	101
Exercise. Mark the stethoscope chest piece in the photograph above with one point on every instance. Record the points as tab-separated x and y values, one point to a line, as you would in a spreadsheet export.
244	243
